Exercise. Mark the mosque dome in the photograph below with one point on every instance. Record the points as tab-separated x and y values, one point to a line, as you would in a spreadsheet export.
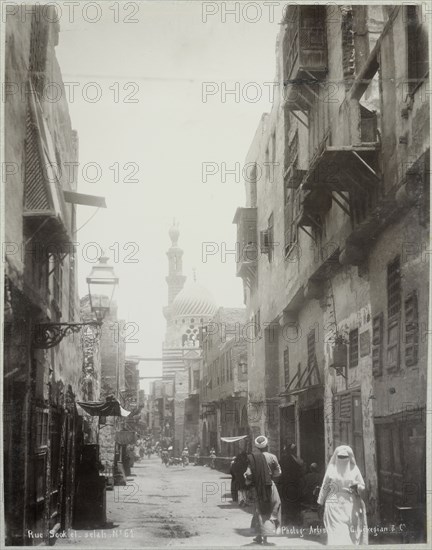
194	300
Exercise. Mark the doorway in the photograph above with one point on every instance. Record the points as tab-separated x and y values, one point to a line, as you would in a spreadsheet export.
312	436
287	426
401	458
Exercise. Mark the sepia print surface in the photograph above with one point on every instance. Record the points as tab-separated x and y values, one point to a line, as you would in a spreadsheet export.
215	282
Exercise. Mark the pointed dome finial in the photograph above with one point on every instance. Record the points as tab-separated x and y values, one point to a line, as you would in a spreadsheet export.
174	232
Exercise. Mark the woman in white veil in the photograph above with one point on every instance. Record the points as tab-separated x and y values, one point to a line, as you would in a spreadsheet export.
341	495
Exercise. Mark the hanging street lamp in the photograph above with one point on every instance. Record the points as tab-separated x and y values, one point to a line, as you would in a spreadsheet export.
102	283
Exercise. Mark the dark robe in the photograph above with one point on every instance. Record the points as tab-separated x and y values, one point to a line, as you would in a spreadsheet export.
291	482
262	481
238	469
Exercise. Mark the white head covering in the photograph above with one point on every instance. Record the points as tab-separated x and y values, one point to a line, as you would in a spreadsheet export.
340	470
261	442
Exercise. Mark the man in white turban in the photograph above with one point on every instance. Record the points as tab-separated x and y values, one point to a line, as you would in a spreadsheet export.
262	469
341	495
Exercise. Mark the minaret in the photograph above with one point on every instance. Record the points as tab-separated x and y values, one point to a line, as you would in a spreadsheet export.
175	278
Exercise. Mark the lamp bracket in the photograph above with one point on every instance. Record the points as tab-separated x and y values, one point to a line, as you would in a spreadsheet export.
49	335
339	371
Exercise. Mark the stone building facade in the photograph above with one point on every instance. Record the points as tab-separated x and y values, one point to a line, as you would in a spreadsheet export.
223	382
134	399
131	375
91	371
113	355
161	409
42	376
332	248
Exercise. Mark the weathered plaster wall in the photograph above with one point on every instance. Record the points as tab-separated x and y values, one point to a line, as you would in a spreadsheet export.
409	240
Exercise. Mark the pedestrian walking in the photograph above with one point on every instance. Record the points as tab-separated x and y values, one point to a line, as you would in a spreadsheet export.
164	457
185	457
234	490
239	468
311	485
263	467
212	458
126	463
197	456
291	482
341	495
131	454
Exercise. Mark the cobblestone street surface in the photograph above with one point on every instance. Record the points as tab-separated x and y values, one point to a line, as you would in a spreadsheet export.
176	506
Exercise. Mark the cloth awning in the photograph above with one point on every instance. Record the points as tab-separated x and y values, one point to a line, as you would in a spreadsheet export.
233	439
110	407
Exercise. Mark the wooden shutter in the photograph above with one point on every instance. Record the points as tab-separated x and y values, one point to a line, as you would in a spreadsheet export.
353	348
286	366
393	342
357	431
336	421
394	301
394	288
342	419
345	407
264	241
377	342
411	329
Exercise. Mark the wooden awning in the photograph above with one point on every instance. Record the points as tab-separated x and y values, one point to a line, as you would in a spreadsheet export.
344	168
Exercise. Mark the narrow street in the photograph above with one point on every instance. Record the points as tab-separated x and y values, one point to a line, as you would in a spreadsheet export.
216	246
177	506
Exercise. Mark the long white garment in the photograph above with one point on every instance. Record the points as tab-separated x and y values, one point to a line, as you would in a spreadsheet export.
344	510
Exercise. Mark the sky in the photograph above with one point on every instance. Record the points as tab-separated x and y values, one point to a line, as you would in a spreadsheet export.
136	100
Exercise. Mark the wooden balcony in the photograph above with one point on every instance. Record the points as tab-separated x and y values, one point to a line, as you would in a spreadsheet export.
344	168
413	192
46	215
305	54
247	243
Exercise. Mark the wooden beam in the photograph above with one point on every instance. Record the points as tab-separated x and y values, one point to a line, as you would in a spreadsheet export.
300	120
291	381
344	208
307	232
83	199
366	164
